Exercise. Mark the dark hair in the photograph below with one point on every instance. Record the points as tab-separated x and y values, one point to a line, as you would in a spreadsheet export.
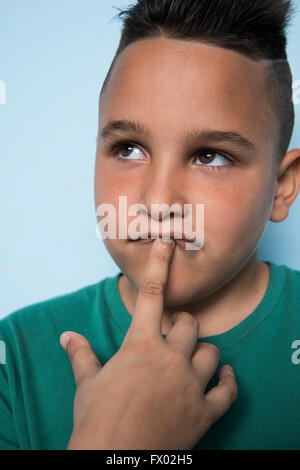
255	28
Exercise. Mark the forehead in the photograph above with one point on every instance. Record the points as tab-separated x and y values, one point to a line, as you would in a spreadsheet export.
187	83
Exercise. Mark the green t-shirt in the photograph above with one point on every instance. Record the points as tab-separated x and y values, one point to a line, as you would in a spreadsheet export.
37	385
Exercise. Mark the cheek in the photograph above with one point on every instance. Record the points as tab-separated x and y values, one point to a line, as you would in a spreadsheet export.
103	184
239	216
109	184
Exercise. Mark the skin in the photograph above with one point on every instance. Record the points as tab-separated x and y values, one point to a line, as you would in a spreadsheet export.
174	87
126	404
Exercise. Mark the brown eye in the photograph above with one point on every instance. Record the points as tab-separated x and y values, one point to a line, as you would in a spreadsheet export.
207	157
125	151
128	149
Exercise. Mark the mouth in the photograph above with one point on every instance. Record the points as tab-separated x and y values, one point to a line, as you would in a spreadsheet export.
180	243
147	238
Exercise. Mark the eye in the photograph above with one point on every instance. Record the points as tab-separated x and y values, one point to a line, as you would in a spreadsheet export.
207	157
129	151
125	151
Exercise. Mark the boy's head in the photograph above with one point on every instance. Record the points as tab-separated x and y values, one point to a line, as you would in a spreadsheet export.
204	92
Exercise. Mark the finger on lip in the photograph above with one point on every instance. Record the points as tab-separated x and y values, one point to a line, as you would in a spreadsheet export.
167	240
159	258
163	242
148	310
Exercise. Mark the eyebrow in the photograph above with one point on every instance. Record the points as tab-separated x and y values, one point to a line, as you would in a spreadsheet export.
215	136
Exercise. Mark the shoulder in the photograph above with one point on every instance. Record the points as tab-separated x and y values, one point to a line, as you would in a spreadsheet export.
51	312
286	280
292	285
290	275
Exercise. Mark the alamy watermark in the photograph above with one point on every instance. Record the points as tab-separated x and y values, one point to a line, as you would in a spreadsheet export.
2	352
296	91
2	92
138	228
296	354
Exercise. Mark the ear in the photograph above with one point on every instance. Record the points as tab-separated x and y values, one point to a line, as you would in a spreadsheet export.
288	185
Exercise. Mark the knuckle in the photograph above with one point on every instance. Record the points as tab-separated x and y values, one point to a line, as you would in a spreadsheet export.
230	394
77	343
176	359
151	288
211	348
185	317
76	354
188	318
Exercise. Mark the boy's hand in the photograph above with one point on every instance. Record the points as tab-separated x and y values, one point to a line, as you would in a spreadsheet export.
150	394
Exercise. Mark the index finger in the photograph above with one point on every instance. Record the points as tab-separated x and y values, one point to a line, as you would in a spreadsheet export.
150	299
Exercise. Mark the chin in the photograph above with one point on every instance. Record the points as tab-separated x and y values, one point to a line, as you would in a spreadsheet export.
179	291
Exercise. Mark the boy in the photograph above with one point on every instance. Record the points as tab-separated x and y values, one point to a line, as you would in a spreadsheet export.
198	100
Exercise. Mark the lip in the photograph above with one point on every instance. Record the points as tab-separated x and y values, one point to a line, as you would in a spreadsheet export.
180	243
177	236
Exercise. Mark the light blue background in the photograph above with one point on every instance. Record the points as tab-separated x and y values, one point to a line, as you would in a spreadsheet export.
54	56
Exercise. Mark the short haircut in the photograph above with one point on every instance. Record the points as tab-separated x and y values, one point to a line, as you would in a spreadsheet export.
254	28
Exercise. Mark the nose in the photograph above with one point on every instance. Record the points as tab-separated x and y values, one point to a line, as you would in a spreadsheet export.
164	193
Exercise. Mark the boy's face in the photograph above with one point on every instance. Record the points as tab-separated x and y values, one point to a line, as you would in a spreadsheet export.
174	88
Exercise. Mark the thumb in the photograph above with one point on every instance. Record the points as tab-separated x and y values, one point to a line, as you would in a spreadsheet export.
83	360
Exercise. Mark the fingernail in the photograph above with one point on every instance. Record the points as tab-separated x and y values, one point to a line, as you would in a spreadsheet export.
167	240
174	317
64	339
229	369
